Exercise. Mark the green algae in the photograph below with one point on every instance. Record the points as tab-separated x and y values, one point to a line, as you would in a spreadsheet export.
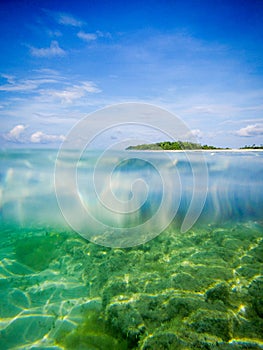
175	292
92	334
163	341
37	252
220	292
123	318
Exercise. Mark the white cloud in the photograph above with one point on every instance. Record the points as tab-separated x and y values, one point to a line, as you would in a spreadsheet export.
27	85
89	86
87	36
47	71
75	92
197	133
250	130
192	135
64	18
93	36
68	20
10	78
103	34
53	50
15	85
48	97
15	134
41	137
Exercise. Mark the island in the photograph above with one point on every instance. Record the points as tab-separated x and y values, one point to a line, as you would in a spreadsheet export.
183	145
176	145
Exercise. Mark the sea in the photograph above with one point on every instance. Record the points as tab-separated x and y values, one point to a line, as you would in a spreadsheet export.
131	249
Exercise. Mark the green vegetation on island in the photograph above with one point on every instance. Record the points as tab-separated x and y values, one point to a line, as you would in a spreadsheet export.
183	145
252	147
177	145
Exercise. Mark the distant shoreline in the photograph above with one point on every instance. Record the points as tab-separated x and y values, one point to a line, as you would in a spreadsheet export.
190	146
197	150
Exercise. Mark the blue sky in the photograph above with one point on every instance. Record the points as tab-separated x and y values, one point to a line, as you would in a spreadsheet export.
201	60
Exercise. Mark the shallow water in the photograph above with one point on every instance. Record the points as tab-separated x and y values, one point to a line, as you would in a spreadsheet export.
199	288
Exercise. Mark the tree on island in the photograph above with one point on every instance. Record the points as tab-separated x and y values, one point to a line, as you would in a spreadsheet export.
252	147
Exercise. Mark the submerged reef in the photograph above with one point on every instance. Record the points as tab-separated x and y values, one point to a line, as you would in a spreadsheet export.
199	290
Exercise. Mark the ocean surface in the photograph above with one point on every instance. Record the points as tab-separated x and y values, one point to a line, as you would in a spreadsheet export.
131	250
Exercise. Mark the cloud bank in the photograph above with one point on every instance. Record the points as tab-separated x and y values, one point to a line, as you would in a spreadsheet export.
17	135
41	137
250	130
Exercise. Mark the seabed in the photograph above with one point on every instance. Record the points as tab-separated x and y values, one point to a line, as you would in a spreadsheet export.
199	290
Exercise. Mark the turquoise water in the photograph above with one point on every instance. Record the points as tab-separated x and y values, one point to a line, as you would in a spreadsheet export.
200	288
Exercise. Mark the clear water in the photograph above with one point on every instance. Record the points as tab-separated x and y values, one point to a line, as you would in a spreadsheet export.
196	285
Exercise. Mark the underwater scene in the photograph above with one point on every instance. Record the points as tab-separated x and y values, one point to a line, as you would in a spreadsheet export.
139	250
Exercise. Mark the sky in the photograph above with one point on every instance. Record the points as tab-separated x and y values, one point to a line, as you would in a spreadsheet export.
200	60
